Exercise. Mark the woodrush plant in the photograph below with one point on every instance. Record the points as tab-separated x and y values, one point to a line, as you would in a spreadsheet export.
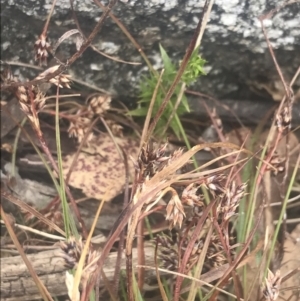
156	176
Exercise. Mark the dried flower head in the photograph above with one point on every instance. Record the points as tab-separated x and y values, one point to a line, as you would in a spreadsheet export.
41	47
231	199
80	124
283	119
215	253
278	163
272	285
99	104
175	211
71	253
116	129
215	184
191	197
173	247
7	76
168	251
79	132
61	80
32	101
152	160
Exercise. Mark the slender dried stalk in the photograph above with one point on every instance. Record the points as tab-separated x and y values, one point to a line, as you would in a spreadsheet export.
129	36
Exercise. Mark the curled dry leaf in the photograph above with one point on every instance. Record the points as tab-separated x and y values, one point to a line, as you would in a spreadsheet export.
68	34
99	170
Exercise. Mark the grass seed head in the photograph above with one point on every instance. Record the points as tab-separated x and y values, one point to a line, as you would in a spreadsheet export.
32	101
231	199
272	285
71	253
152	160
283	119
80	124
191	197
215	184
41	47
61	80
99	104
175	211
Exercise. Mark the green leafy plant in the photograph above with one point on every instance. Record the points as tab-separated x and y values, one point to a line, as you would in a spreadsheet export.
194	68
148	84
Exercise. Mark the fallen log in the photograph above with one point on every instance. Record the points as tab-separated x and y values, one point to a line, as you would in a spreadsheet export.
18	285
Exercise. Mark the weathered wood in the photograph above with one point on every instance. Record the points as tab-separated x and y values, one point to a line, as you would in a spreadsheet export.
18	285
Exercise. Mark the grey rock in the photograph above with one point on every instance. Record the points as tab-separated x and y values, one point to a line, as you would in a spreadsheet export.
31	192
233	43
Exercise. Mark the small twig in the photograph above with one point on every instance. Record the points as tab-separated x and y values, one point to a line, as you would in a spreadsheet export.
75	56
289	221
95	48
41	233
13	63
95	31
45	29
129	36
287	89
24	206
218	103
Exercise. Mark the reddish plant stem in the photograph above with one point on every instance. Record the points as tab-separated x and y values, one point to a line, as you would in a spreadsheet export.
238	258
268	159
224	238
45	29
183	263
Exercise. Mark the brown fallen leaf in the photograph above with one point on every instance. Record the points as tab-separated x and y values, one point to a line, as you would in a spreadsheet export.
99	171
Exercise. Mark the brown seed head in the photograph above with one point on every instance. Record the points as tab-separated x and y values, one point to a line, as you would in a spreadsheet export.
272	286
41	47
